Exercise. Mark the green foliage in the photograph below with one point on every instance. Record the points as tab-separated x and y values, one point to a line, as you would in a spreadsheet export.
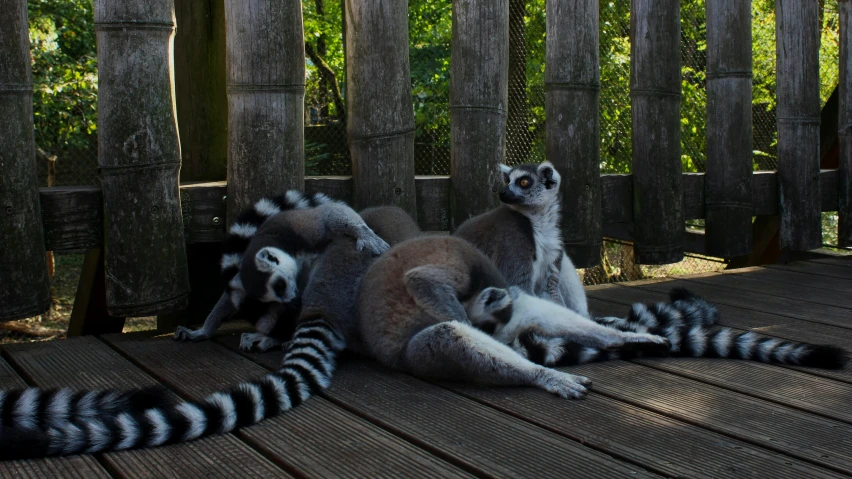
64	63
327	26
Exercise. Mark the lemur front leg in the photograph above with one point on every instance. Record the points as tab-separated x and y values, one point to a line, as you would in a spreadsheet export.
571	288
223	310
553	278
434	289
456	351
341	219
258	342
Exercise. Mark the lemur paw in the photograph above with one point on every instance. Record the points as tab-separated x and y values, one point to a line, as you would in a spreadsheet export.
646	338
564	385
257	342
184	334
371	241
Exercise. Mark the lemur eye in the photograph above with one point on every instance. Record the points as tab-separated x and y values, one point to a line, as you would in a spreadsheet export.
524	183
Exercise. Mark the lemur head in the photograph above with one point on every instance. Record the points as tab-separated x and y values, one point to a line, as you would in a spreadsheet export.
490	309
268	274
529	186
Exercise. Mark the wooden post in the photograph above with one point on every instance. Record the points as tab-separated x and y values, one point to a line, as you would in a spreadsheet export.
266	99
727	185
200	96
139	159
844	178
380	113
798	110
24	289
478	103
655	88
572	95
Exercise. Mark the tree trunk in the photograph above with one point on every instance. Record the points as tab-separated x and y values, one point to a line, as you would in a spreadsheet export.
139	159
380	114
24	288
266	100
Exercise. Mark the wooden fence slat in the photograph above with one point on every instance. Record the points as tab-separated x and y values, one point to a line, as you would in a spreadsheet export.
139	158
266	95
729	128
24	288
798	111
479	95
380	113
655	90
844	177
572	97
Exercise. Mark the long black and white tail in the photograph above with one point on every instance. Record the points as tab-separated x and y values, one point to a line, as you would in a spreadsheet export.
688	322
36	424
250	219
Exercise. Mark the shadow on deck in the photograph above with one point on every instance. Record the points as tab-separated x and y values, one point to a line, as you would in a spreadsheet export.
661	417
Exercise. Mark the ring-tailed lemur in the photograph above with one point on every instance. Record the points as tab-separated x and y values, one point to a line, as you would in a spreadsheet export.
687	322
523	238
420	305
266	260
35	423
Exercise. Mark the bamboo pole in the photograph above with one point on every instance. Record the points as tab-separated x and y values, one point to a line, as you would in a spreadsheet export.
844	178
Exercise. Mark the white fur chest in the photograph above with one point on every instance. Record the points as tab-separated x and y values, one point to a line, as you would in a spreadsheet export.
548	244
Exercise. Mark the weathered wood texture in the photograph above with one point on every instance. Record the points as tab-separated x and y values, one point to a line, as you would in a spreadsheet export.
139	158
379	109
844	170
72	216
797	30
572	97
266	96
655	89
24	287
478	105
729	128
200	96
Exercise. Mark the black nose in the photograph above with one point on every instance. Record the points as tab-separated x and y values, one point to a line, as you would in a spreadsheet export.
508	196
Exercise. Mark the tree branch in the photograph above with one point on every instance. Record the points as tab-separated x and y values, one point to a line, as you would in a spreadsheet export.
330	78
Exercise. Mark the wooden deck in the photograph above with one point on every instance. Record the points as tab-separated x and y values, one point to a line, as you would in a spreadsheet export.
646	418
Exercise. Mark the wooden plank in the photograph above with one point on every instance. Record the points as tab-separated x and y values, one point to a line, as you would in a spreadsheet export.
307	440
139	159
25	288
572	97
808	267
837	261
72	217
794	277
655	89
89	314
746	283
479	96
265	64
653	440
844	131
729	128
808	437
379	109
798	113
87	363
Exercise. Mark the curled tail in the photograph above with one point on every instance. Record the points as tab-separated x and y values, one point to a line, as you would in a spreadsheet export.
688	322
306	368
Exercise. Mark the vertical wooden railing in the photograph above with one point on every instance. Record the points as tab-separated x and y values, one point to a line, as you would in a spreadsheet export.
266	99
798	111
655	89
844	177
479	97
727	184
572	97
380	113
23	280
139	158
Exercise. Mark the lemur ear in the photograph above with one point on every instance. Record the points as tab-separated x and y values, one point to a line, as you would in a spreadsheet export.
547	172
266	260
504	172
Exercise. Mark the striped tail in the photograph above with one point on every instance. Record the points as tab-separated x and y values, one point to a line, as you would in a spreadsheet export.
306	369
688	322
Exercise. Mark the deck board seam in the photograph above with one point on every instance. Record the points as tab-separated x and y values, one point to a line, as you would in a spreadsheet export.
751	290
288	468
805	271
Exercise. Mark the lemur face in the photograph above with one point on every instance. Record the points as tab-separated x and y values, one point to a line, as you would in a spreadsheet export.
529	185
268	276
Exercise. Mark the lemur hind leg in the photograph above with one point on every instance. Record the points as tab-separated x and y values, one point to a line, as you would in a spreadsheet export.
340	219
223	310
571	288
433	289
456	351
